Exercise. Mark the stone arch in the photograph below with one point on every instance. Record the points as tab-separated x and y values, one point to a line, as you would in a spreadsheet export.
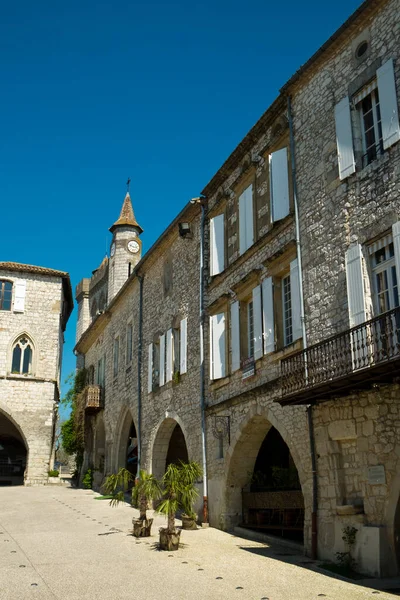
160	446
124	429
10	427
241	458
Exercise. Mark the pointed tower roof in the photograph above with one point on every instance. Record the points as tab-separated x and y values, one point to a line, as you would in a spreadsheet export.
127	216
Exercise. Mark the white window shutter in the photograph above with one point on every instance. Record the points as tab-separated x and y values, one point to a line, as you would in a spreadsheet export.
150	369
279	184
183	347
235	336
217	245
295	299
268	315
246	227
170	357
218	346
344	139
19	299
355	286
388	104
396	244
257	321
162	360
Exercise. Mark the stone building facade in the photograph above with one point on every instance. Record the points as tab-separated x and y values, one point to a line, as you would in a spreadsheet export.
301	320
155	392
35	304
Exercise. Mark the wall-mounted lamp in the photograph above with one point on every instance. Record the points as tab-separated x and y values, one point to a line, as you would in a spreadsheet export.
184	229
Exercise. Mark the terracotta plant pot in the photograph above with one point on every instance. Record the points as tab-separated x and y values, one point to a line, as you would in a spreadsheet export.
142	528
169	541
188	522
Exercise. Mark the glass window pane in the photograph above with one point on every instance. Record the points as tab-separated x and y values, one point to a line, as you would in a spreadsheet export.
16	360
27	362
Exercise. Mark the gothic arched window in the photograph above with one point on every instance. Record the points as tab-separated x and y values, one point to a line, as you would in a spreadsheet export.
22	356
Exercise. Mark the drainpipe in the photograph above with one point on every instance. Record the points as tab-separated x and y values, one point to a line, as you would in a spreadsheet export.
314	511
139	375
202	370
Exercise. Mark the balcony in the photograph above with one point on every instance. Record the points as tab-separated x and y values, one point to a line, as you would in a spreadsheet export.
92	397
355	359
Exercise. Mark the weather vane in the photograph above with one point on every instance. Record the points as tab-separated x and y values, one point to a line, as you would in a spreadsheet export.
128	184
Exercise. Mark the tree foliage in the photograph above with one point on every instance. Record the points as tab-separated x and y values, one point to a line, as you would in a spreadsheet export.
73	430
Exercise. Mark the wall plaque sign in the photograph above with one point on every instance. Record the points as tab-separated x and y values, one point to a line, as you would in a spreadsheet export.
376	475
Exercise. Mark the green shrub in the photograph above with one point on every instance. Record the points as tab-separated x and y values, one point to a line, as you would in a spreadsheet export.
54	473
87	481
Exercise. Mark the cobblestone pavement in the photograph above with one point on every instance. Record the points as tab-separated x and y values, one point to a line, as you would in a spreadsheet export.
61	543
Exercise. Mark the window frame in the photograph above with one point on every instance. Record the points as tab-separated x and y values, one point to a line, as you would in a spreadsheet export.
3	290
28	344
287	315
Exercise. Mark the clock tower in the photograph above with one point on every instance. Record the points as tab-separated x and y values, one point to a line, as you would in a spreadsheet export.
126	248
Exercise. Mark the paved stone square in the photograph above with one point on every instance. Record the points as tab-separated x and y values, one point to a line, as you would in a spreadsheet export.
61	543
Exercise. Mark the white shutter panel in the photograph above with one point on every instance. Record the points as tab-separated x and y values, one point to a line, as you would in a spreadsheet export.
170	356
150	369
396	244
217	245
344	139
388	104
218	346
235	336
242	223
19	299
268	315
355	286
183	348
249	217
295	299
211	322
279	184
162	360
257	323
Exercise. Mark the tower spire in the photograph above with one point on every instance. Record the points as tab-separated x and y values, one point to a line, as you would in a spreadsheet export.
127	216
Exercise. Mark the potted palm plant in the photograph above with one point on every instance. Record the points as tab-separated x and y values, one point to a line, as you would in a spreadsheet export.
179	493
147	488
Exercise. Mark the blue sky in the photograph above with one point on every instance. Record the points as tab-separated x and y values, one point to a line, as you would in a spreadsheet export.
161	92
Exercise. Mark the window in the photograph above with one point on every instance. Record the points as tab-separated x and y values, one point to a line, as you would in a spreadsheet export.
129	343
384	284
217	346
116	357
90	375
22	357
217	245
250	330
287	311
101	371
246	226
371	125
376	105
5	295
176	350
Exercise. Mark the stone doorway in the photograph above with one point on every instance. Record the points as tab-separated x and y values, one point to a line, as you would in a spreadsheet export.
13	453
169	447
127	450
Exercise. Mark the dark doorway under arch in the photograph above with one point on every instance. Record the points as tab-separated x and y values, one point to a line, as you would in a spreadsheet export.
132	451
13	454
177	450
169	447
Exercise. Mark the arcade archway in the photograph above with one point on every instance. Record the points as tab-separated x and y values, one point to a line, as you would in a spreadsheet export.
13	453
169	447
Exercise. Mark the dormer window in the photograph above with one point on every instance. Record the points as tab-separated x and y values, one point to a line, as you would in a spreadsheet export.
22	357
5	295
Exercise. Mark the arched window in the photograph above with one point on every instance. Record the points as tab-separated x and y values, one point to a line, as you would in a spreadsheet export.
22	356
5	295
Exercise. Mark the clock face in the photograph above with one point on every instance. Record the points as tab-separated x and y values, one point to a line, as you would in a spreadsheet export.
133	246
112	251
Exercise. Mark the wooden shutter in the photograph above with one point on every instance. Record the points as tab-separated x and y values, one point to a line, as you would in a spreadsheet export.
217	354
257	323
388	104
183	347
150	369
162	359
355	286
396	244
344	139
19	299
295	299
246	226
268	315
235	336
279	184
170	356
217	245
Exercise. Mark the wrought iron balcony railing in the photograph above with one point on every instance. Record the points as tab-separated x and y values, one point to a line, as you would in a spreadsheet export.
93	398
358	357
